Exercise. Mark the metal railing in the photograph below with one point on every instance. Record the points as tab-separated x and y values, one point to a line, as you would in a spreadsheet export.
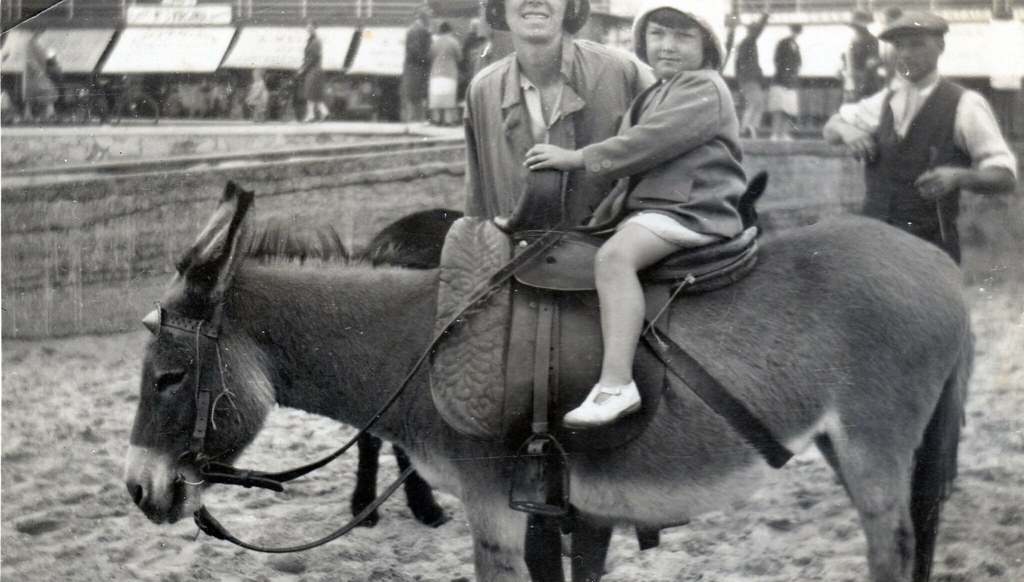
112	12
849	5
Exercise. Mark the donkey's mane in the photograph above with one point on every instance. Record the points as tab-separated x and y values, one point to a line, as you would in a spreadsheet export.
288	239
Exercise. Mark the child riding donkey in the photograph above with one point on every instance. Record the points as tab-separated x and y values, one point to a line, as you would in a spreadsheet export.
678	161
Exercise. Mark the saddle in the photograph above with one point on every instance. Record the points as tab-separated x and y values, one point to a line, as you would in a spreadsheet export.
544	327
530	349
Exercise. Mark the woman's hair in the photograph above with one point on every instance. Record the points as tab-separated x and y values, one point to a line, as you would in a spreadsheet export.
672	18
576	14
444	27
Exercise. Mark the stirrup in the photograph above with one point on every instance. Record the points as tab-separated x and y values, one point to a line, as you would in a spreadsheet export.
540	477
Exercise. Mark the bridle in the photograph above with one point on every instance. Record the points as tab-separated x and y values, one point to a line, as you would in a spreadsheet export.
211	471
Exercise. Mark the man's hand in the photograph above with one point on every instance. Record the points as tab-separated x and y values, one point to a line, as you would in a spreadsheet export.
545	156
938	182
862	146
859	143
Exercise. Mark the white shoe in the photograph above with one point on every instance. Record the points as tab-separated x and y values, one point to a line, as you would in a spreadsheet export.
603	405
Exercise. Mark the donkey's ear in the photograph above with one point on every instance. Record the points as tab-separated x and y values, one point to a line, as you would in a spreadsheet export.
213	254
218	237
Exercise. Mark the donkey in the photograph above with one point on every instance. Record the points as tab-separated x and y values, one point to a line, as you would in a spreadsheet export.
850	335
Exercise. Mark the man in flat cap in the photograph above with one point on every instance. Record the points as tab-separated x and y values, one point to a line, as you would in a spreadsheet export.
924	139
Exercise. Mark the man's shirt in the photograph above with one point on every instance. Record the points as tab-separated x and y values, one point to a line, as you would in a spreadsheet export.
976	130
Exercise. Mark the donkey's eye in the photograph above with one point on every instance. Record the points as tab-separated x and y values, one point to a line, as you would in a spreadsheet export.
169	379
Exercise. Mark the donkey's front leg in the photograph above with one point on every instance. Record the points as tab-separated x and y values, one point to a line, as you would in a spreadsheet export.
499	532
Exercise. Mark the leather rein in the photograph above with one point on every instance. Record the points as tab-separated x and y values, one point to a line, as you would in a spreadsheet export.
212	472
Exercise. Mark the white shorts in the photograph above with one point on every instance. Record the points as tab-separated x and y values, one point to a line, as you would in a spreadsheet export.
664	227
783	99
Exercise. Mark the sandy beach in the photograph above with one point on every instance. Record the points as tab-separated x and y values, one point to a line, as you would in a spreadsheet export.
67	411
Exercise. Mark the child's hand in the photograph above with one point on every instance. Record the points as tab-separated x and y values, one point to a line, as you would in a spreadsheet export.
545	156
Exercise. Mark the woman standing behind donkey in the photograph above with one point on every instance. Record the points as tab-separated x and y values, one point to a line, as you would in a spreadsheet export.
677	156
445	56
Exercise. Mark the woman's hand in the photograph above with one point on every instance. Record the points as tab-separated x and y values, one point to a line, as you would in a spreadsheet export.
545	156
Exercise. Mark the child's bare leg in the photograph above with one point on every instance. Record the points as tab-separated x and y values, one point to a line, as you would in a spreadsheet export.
629	251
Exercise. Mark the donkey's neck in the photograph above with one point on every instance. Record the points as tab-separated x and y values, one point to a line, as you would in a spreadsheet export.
339	340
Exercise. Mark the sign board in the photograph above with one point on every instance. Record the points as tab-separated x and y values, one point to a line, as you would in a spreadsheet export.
169	50
153	15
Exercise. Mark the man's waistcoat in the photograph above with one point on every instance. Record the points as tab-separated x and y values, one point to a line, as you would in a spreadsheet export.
891	194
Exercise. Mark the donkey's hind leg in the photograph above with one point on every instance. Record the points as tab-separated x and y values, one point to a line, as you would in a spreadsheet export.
877	478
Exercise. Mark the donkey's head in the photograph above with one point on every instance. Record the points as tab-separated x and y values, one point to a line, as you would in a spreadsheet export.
204	392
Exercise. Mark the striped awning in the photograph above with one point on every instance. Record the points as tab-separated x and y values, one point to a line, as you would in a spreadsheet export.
78	50
169	49
381	52
278	47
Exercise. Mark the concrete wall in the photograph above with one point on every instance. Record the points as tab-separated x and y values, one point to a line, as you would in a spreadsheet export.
55	147
91	256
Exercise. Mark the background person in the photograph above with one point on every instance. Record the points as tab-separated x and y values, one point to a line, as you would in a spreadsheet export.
886	53
861	61
257	98
312	75
473	47
553	89
924	140
40	90
783	97
416	68
445	56
750	77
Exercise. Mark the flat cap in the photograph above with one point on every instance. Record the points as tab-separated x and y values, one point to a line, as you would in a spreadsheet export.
915	23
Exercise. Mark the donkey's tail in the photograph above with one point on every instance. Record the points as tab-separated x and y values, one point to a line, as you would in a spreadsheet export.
935	462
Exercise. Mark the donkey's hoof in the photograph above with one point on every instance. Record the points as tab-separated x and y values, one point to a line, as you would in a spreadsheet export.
370	520
432	516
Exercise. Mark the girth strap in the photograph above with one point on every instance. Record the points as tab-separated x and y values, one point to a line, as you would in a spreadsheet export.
542	363
708	389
